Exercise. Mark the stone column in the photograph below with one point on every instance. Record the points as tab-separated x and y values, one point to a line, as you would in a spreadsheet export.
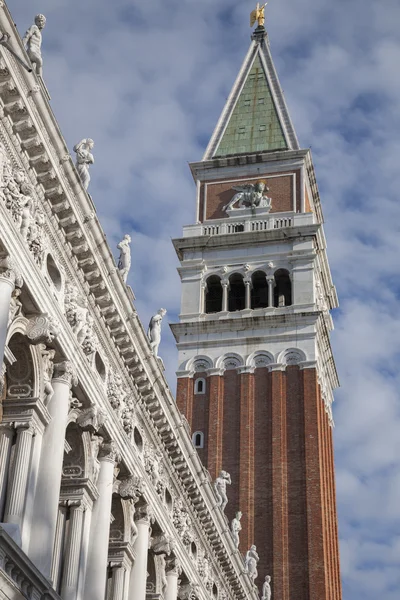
50	469
9	278
96	570
6	437
17	488
118	581
58	544
225	287
247	283
172	572
69	585
137	584
271	285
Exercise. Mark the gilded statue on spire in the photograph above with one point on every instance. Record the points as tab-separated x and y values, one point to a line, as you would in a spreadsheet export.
258	15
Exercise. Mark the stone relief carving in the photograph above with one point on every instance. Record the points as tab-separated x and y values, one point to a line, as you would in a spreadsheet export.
8	270
266	589
15	306
124	262
131	488
182	521
84	158
65	372
154	331
162	544
220	489
33	42
236	528
42	328
250	195
152	464
251	561
188	591
122	403
92	419
82	324
95	445
173	565
47	355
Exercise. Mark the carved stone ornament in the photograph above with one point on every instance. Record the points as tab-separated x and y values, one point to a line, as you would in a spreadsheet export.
220	488
251	561
154	331
162	544
131	488
266	589
33	42
84	158
124	262
10	272
92	419
82	324
42	329
173	566
188	591
110	452
65	372
144	513
250	195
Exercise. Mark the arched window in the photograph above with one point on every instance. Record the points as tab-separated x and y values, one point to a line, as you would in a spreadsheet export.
200	386
53	272
283	289
259	293
198	439
138	439
213	300
100	366
237	293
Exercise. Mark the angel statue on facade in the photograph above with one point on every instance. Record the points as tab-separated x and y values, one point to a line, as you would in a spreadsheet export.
236	528
266	588
124	262
33	43
84	158
154	331
251	561
250	195
220	488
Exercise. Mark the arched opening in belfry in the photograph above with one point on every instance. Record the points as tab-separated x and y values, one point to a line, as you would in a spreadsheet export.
213	300
259	291
283	289
237	293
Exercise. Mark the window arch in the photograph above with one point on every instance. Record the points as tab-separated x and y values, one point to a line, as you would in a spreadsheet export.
200	386
213	295
259	292
198	439
54	272
283	289
237	293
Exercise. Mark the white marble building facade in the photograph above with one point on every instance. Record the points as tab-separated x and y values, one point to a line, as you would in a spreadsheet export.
102	494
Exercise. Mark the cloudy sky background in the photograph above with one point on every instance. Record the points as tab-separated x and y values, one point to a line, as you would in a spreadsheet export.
147	82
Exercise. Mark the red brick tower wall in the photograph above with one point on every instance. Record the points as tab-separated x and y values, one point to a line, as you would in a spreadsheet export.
270	431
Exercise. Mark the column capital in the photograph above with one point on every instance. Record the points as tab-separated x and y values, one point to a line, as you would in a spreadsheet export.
131	488
42	328
65	372
144	514
173	566
25	426
246	369
10	273
218	371
109	452
276	367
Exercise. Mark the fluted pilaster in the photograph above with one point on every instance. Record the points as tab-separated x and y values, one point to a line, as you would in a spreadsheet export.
17	488
72	553
6	437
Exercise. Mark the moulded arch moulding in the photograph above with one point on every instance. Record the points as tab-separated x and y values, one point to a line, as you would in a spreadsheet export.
19	325
198	364
291	356
230	360
259	359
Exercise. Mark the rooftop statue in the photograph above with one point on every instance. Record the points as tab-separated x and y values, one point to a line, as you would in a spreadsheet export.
250	195
220	488
236	528
266	588
258	15
124	263
251	561
84	158
33	42
154	331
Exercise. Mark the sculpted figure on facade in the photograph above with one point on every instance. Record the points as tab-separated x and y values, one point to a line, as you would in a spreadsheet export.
84	158
266	589
90	342
76	311
124	262
250	195
152	464
48	368
95	444
92	418
251	561
33	43
236	527
115	392
15	306
220	488
154	331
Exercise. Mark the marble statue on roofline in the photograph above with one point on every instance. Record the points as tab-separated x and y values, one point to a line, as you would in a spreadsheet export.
154	331
33	43
266	588
251	561
124	262
220	488
236	528
84	158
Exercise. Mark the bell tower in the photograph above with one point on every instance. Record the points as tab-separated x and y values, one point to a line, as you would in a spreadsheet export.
256	373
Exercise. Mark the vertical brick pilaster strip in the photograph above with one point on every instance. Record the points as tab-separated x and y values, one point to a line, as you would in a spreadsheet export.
184	397
315	522
325	483
246	465
280	574
215	424
335	541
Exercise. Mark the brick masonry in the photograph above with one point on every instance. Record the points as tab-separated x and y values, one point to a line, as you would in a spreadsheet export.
269	430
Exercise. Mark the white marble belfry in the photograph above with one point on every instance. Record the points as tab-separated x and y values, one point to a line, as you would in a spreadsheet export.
50	470
96	569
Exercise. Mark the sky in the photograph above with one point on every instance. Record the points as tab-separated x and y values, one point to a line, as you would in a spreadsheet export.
147	82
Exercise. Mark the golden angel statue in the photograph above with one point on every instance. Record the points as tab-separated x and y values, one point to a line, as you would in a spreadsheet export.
258	15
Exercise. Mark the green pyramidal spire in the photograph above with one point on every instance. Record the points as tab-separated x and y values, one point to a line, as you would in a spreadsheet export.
254	125
255	117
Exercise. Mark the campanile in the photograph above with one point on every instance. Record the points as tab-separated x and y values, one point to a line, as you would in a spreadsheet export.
256	373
